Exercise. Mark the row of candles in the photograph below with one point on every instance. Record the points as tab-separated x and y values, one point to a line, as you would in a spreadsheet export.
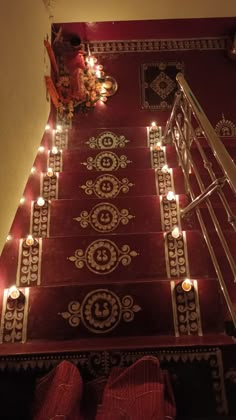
176	233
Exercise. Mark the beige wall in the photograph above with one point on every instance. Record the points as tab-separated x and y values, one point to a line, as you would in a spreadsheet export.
24	109
113	10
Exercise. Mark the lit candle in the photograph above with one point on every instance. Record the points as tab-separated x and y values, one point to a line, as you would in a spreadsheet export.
170	196
54	150
29	240
175	232
40	201
187	285
50	172
13	292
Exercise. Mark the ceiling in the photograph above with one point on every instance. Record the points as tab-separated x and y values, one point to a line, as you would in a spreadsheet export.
107	10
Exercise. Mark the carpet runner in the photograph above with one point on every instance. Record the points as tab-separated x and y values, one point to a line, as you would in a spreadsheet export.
103	270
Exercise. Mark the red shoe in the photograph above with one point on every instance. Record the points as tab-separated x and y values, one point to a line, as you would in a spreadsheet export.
58	394
134	393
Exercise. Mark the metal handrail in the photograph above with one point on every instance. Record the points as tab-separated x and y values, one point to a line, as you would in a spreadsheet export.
221	154
183	135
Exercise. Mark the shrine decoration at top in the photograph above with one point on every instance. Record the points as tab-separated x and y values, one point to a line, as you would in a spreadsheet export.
80	86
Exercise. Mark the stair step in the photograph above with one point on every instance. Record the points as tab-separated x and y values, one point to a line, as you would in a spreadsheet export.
110	137
81	184
107	160
119	215
89	259
125	310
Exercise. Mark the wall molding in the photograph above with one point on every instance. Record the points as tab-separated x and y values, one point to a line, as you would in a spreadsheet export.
154	45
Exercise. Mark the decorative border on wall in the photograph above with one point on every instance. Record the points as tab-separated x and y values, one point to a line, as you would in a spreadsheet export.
186	309
49	186
29	263
40	219
14	318
99	363
176	256
225	128
153	45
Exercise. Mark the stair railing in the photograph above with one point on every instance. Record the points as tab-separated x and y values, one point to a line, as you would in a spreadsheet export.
185	115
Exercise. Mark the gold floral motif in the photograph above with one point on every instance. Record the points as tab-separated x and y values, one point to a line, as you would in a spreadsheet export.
101	311
103	256
40	219
170	213
154	136
163	85
107	186
225	128
14	318
107	140
49	187
106	161
104	217
55	161
158	157
61	139
164	181
29	263
176	256
186	310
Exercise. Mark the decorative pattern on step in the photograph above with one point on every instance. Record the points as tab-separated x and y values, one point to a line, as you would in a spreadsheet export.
104	217
107	140
106	161
55	161
101	311
103	256
29	263
170	213
14	318
158	158
49	186
176	256
154	136
107	186
40	219
60	139
186	310
164	181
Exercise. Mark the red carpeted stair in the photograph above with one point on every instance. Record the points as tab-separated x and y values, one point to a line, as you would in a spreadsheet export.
104	272
103	244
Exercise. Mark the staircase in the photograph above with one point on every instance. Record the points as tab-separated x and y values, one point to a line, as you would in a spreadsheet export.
101	277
